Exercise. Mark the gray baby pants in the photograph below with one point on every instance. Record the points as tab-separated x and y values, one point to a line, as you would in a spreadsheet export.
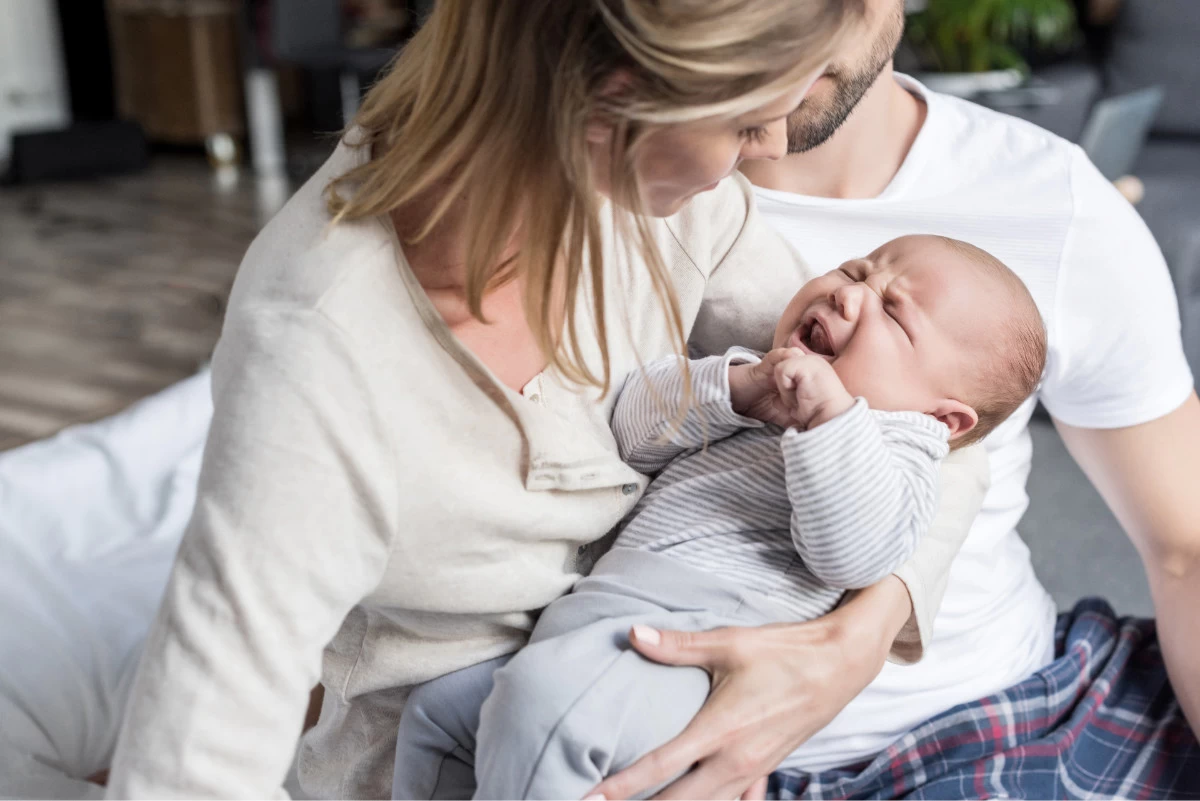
577	703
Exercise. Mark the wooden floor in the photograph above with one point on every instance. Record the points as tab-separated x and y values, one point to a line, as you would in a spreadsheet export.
113	289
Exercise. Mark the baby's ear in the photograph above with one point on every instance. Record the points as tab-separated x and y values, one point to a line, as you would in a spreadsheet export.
958	416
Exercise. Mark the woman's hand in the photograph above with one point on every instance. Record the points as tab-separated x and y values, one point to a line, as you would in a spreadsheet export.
773	687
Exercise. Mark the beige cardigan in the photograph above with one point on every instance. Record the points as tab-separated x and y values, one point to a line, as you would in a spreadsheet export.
375	509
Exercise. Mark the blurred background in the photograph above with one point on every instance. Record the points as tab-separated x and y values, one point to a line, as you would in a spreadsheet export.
144	142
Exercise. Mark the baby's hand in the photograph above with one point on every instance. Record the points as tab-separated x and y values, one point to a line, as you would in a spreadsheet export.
755	392
810	389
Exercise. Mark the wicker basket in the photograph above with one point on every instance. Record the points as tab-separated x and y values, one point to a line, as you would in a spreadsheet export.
177	67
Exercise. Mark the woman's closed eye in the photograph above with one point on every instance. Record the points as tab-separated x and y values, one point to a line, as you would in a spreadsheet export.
756	134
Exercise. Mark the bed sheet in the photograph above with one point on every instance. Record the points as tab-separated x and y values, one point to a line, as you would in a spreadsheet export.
89	524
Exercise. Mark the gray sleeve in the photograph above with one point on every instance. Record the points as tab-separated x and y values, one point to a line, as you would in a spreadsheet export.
864	489
650	432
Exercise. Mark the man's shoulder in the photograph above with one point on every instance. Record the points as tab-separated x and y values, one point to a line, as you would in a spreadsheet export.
979	128
995	160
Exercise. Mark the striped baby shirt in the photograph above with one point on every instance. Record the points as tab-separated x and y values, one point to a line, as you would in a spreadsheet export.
800	516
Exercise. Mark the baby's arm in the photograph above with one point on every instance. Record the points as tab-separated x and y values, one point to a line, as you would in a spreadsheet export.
646	424
863	484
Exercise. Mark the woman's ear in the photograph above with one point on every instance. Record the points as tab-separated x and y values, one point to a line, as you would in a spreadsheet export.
599	133
617	83
956	415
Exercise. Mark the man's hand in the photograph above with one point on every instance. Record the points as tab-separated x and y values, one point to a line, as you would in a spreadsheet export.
810	389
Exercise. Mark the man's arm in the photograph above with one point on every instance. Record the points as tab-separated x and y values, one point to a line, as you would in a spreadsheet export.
1148	476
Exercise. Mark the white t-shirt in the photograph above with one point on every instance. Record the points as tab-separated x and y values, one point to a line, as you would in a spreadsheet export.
1115	359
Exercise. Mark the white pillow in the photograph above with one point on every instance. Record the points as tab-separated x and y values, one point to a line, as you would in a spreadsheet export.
89	524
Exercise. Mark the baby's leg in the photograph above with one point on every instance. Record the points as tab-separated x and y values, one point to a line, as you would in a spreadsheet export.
435	745
570	709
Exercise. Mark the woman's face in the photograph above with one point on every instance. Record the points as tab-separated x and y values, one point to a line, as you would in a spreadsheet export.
677	162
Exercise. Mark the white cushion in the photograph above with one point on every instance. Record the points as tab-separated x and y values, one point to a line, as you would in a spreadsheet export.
89	523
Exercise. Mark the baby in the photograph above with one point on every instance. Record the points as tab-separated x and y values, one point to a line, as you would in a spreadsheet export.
790	479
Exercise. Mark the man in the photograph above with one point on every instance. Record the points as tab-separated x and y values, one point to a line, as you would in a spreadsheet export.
873	155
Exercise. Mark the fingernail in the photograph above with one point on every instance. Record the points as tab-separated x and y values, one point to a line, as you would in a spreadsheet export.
647	635
596	797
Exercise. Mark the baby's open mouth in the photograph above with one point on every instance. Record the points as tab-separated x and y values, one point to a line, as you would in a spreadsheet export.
816	338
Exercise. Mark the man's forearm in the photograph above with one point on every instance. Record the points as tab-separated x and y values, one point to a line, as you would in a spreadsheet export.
1177	607
1147	474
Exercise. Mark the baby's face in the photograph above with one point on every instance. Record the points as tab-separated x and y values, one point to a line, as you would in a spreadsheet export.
904	327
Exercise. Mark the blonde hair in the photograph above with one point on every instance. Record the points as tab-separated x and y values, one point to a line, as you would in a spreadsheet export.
489	105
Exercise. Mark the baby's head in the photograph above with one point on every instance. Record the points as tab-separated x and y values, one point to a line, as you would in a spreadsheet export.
925	324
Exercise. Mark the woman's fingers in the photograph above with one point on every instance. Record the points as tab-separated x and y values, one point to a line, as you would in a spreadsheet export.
772	688
712	778
757	791
701	738
727	764
655	768
695	648
733	771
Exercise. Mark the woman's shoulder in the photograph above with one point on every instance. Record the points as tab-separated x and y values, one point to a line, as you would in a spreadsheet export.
299	256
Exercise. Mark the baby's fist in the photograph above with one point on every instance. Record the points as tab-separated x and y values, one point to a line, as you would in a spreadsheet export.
810	389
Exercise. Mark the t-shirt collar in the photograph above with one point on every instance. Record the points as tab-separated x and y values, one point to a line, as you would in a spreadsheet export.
909	169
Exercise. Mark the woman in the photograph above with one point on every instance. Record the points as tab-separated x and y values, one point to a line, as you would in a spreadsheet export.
410	451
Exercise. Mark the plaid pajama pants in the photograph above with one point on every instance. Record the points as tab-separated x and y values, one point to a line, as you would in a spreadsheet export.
1099	721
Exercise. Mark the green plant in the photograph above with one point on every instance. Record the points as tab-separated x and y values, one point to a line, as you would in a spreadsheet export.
979	35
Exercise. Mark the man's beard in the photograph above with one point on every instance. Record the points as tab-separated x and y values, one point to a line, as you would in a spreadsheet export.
812	127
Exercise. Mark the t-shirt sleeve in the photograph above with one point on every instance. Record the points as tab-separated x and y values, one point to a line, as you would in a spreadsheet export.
1116	357
291	529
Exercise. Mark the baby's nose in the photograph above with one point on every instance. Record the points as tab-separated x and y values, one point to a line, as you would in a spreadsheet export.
848	300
